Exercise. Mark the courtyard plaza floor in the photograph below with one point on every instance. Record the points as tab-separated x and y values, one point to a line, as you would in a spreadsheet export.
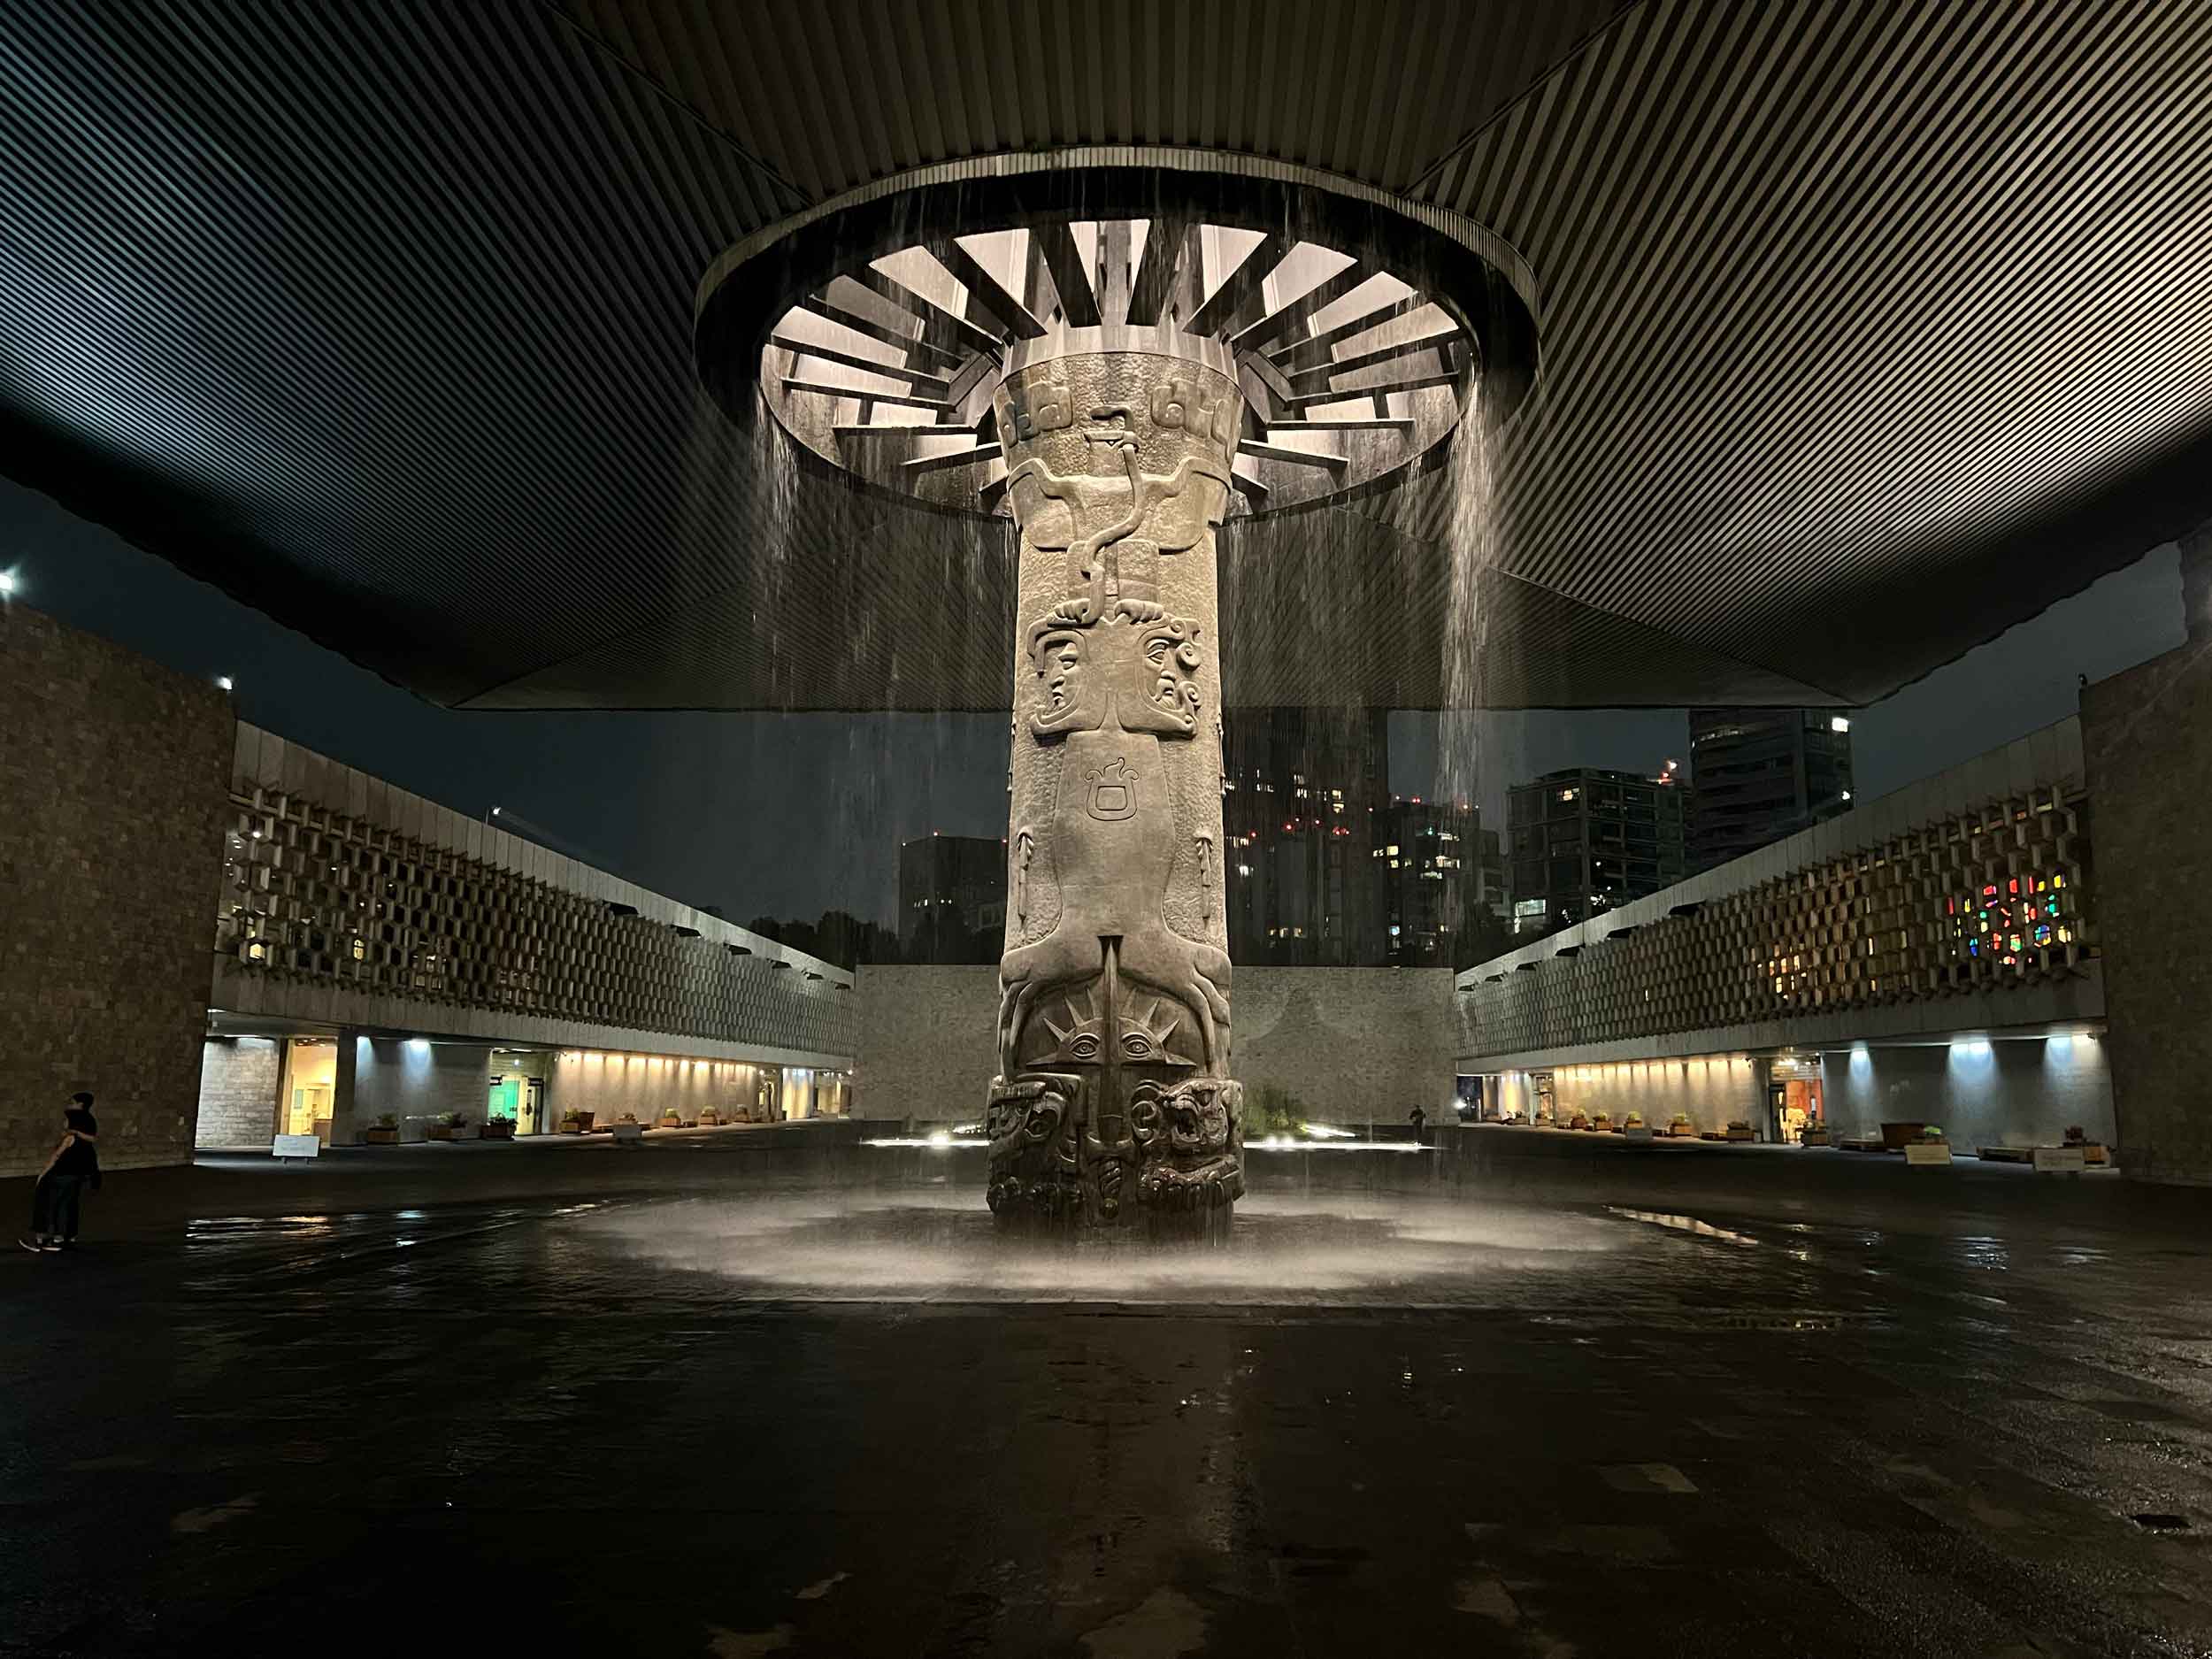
783	1394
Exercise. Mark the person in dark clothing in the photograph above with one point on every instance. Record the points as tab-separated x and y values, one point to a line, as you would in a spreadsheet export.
74	1166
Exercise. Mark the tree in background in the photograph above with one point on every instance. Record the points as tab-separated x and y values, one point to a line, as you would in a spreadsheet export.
940	937
1482	936
839	936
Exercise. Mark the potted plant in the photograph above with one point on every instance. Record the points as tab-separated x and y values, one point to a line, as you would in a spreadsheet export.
1679	1124
383	1132
1578	1121
499	1129
1634	1120
575	1122
1816	1133
1738	1129
1930	1149
672	1119
2092	1151
1602	1123
709	1119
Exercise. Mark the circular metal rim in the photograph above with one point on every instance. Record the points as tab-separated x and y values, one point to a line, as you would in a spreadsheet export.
1483	281
1113	340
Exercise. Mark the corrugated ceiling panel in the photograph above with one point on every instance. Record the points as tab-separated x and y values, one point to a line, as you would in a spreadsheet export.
379	317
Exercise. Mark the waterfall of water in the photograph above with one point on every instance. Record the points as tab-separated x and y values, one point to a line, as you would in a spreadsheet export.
1472	552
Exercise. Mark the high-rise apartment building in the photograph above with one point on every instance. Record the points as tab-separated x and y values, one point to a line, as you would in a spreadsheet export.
1759	774
1584	841
1300	790
1439	879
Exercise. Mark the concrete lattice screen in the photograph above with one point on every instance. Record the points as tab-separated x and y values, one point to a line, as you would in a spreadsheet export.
1896	923
312	893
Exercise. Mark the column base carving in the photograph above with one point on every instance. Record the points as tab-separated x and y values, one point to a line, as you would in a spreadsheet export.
1065	1150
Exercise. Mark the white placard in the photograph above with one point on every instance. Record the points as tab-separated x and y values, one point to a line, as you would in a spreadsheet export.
1927	1152
296	1147
2059	1160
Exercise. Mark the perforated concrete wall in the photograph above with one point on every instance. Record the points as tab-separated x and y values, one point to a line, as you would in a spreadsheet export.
1873	910
334	879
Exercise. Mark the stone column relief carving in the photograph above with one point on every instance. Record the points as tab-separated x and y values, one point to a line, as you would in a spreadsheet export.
1113	1100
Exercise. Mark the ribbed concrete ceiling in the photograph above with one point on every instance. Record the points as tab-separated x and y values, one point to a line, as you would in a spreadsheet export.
1867	329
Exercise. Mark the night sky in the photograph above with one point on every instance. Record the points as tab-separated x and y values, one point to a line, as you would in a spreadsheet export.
790	815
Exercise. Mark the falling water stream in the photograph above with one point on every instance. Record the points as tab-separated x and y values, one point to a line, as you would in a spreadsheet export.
812	590
1471	553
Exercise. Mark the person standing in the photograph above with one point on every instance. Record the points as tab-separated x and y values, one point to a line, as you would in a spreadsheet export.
59	1191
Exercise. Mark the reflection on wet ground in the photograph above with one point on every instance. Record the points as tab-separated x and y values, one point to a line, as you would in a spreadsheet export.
704	1405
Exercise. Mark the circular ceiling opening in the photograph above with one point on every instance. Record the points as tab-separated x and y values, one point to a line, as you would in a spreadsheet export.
875	330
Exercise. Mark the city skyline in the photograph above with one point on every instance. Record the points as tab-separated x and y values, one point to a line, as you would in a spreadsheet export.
768	848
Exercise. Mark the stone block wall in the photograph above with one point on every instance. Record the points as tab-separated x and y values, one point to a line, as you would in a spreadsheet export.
1351	1044
927	1049
239	1079
2149	735
112	775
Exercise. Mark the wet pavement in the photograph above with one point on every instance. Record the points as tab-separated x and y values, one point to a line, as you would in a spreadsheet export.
785	1396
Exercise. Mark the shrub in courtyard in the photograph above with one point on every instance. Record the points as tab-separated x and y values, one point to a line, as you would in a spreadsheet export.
1274	1110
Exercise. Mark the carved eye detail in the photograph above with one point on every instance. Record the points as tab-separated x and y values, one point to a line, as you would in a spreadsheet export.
1084	1047
1139	1046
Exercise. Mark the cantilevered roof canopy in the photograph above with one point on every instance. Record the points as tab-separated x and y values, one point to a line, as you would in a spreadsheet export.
1865	330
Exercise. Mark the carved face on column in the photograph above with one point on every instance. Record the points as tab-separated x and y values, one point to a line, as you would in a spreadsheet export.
1141	676
1059	658
1114	985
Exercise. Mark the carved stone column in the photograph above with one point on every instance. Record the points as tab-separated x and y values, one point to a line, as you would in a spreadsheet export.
1113	1099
